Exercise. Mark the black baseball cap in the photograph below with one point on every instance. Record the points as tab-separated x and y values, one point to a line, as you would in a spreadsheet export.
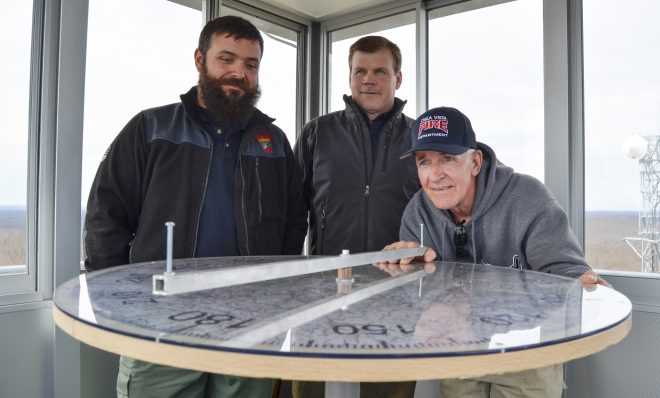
442	129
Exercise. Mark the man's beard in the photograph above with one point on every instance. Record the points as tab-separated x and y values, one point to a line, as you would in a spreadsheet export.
231	108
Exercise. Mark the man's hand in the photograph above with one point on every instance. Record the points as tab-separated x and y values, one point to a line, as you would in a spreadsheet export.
590	279
397	269
429	254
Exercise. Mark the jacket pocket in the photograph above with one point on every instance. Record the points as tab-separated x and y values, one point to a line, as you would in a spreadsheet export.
263	192
123	381
322	227
126	366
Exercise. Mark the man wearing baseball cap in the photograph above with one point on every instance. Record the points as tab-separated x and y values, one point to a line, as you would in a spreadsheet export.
475	209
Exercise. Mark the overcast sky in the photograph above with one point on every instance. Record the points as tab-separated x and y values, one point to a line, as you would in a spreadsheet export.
488	63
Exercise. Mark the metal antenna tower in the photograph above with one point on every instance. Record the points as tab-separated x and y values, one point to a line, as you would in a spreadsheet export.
649	215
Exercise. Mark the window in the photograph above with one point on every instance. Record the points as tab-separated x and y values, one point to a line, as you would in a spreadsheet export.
278	73
15	22
622	123
488	63
148	62
400	29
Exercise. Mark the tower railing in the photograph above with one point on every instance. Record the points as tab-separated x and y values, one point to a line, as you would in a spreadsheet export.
649	215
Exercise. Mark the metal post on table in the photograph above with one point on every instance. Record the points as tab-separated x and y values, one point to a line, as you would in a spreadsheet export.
344	279
170	242
421	244
421	234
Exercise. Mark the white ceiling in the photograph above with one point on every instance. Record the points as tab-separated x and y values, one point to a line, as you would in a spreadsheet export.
308	9
318	9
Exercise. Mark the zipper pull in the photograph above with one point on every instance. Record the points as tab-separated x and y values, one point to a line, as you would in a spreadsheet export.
323	219
366	191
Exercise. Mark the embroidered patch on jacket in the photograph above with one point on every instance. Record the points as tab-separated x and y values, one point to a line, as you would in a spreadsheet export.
266	141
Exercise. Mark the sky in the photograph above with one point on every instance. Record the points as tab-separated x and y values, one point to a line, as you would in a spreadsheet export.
622	94
487	62
15	23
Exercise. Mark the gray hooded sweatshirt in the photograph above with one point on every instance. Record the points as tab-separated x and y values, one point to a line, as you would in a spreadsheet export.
516	222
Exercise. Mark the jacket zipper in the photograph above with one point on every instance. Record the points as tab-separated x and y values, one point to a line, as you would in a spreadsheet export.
201	204
366	217
386	148
367	180
259	189
322	240
247	238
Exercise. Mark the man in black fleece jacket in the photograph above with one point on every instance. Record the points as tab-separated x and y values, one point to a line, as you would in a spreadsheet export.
215	166
354	184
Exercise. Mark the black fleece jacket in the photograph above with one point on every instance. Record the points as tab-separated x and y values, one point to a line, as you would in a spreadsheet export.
355	202
156	170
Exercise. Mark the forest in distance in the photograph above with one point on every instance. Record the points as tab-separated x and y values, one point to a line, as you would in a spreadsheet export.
604	231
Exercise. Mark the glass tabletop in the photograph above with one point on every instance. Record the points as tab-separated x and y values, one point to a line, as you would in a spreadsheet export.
424	310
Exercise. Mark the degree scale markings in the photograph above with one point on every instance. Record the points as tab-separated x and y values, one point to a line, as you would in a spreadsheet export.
391	321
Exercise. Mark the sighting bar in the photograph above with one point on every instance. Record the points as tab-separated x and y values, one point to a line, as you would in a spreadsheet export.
193	281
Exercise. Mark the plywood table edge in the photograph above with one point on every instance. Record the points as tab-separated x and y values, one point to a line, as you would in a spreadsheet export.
339	369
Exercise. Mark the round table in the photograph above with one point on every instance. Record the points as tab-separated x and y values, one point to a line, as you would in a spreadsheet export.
426	321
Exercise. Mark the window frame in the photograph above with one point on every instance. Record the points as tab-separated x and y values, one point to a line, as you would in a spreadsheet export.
367	17
302	28
18	288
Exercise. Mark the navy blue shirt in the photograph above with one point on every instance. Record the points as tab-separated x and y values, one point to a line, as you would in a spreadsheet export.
375	127
216	232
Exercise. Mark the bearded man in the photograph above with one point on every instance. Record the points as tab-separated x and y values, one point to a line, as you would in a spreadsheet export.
220	170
